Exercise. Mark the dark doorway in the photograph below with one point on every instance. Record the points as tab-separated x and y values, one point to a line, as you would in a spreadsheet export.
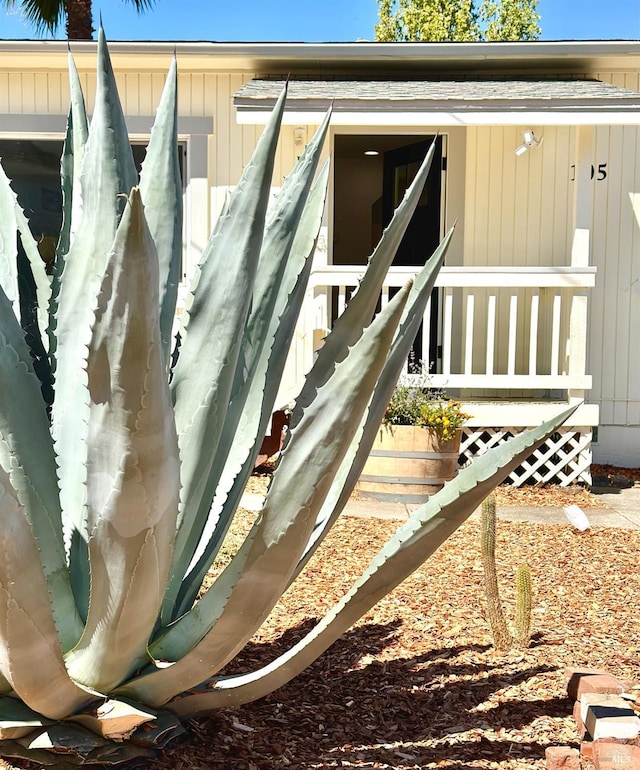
372	173
400	168
423	234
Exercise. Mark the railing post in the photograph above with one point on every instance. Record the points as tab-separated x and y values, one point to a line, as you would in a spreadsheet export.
582	207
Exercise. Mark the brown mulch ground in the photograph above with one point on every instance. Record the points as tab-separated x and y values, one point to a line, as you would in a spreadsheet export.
417	684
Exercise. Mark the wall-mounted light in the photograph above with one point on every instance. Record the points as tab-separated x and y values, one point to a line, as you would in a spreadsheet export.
528	140
299	135
371	152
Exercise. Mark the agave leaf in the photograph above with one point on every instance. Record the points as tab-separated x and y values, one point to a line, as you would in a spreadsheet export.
77	745
29	322
220	301
12	748
15	712
290	238
157	734
242	597
13	224
356	457
133	464
26	454
425	531
114	719
38	271
161	189
359	311
18	720
71	164
30	652
73	148
262	394
8	242
108	174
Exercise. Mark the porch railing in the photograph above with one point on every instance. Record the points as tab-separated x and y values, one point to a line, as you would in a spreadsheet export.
513	329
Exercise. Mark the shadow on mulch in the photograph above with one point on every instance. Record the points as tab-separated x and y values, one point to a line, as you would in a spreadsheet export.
348	709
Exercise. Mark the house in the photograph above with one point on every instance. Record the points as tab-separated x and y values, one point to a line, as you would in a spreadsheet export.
537	161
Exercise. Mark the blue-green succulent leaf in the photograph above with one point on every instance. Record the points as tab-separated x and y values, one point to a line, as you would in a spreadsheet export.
358	453
133	465
75	141
26	454
361	307
29	322
261	394
161	189
290	236
8	242
225	618
426	530
30	652
108	174
211	337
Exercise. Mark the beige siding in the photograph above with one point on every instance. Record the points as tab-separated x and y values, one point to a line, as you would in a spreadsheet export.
615	302
518	211
518	208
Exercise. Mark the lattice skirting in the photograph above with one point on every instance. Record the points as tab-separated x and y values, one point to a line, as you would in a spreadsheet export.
565	458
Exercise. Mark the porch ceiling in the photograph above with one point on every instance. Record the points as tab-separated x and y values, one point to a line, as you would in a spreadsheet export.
443	102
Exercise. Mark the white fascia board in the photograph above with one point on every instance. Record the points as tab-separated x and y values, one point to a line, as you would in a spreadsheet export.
513	117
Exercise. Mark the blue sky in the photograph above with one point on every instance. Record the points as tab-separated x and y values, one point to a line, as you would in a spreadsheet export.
331	20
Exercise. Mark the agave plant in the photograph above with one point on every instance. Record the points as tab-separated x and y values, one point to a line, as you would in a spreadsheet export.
123	461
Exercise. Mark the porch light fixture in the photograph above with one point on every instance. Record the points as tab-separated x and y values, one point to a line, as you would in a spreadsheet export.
371	152
528	140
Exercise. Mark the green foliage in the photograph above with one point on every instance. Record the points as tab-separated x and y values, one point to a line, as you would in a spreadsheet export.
413	402
457	20
115	504
502	636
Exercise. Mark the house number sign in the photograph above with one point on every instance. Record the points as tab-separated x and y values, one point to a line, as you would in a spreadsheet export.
598	173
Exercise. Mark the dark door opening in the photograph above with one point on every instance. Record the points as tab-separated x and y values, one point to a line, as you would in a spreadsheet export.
400	167
372	173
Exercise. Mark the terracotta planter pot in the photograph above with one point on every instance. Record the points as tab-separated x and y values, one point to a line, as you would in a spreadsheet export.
408	464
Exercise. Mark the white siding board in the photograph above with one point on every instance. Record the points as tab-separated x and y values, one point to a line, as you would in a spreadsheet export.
147	104
15	93
197	95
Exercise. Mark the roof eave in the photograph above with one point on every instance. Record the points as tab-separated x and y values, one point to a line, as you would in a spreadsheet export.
256	57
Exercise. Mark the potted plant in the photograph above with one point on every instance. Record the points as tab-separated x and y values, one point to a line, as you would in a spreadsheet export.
418	444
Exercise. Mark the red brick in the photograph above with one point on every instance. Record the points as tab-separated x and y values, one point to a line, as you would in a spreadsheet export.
615	756
601	683
562	758
587	747
582	730
582	680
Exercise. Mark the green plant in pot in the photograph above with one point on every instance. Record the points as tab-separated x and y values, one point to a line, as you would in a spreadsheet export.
416	450
123	458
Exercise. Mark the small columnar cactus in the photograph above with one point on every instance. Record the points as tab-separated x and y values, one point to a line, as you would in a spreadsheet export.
122	462
502	636
523	606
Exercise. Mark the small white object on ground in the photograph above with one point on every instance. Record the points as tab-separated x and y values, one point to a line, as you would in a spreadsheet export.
577	517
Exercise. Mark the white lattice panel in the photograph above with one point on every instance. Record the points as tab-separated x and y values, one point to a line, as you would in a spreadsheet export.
564	458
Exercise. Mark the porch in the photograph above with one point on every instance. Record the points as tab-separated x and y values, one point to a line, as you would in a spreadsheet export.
510	342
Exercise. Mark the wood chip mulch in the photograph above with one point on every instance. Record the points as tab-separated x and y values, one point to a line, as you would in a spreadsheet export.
417	683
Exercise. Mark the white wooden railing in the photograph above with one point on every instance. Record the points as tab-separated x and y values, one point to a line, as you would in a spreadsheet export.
499	328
